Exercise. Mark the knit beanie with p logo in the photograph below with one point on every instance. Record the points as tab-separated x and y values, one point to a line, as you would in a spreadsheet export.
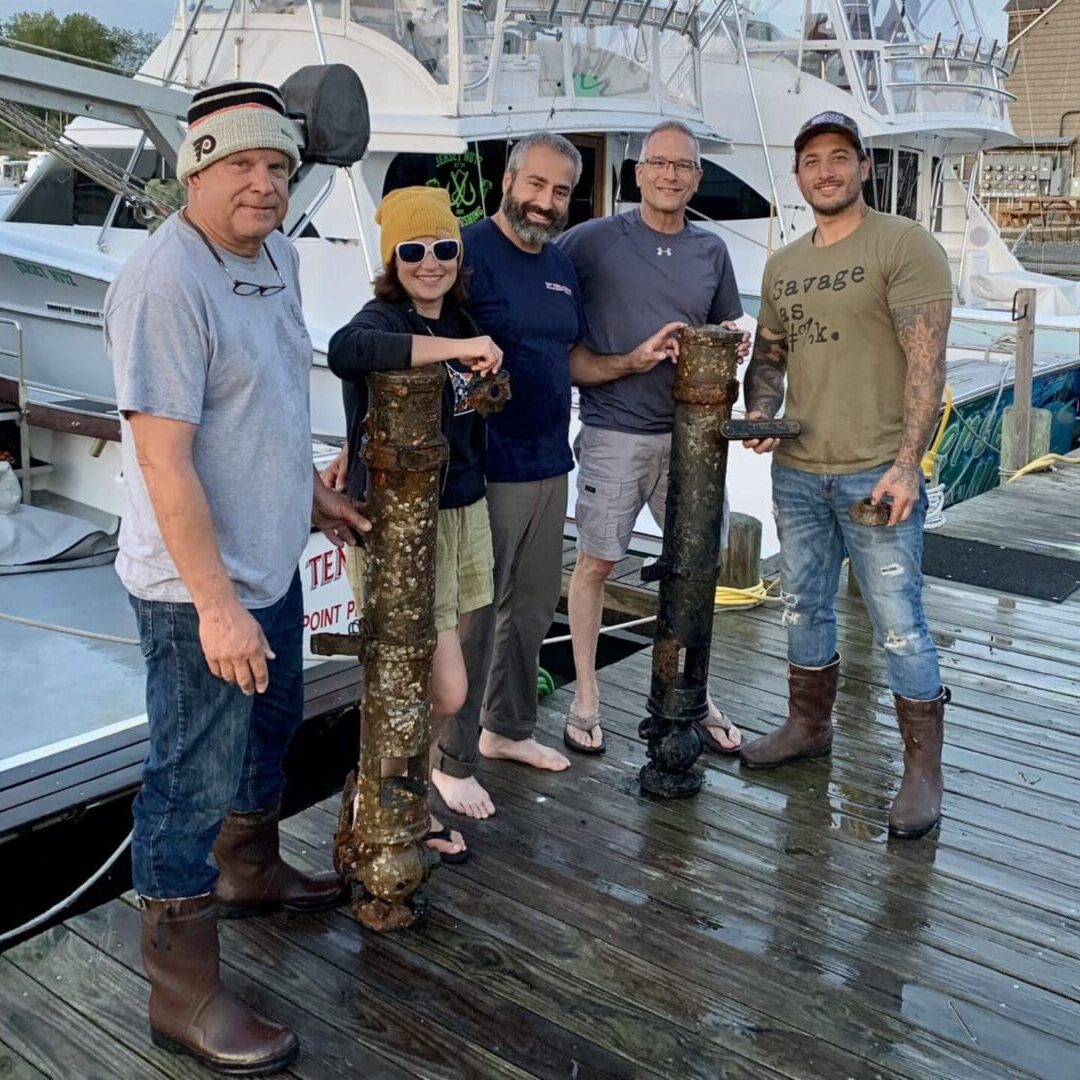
235	116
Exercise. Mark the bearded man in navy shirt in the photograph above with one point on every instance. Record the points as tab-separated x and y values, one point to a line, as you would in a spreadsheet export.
524	294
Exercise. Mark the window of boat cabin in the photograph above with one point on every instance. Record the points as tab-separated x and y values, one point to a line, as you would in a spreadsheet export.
61	195
420	28
473	179
721	196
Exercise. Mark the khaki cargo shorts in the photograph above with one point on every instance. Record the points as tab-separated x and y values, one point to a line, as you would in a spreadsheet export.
619	473
464	565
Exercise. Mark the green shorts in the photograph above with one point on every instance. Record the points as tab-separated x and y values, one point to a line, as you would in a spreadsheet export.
464	565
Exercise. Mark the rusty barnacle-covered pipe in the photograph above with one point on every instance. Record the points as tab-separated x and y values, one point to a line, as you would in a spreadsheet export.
383	820
705	390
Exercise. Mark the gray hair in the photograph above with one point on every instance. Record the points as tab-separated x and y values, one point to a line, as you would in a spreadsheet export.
674	125
550	140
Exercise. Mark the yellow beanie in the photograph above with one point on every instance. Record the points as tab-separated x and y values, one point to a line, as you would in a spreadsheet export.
410	212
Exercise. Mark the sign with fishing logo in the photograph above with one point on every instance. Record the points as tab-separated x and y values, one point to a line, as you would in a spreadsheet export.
463	178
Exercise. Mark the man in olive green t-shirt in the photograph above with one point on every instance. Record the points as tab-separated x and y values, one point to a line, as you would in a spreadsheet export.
855	315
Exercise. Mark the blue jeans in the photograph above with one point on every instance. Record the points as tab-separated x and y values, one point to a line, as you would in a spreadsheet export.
815	535
212	748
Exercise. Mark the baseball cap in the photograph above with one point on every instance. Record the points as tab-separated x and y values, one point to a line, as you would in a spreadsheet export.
836	122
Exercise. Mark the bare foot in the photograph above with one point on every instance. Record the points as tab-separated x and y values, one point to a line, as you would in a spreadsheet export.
722	729
455	845
526	751
463	795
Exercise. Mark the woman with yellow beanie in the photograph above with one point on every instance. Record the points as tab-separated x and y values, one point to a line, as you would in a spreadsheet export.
417	318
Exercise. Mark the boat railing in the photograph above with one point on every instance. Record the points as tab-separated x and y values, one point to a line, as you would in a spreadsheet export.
915	73
21	413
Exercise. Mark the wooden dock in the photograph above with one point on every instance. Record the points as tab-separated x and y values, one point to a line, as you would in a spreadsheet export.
765	929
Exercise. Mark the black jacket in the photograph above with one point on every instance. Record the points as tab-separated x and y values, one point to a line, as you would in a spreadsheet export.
379	338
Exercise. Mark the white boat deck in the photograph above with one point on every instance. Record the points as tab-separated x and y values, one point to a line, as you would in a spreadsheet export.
58	688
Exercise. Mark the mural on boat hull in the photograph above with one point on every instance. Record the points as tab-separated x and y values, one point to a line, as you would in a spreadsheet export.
970	451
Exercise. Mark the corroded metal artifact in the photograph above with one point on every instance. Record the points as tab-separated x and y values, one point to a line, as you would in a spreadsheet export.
705	390
383	820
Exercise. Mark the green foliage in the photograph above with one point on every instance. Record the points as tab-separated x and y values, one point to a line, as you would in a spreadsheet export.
80	37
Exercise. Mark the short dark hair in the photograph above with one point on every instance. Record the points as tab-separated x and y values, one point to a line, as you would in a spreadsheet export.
388	285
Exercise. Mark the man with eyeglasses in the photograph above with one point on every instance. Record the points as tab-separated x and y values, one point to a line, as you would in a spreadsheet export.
211	360
643	274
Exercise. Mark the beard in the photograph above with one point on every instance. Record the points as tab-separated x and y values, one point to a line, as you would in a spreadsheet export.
836	203
529	231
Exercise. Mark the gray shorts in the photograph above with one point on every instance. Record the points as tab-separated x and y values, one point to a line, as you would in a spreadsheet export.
618	474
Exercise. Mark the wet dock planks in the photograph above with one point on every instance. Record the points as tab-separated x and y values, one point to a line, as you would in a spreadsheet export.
766	929
1037	513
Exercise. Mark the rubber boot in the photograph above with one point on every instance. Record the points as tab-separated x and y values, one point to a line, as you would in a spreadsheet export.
808	730
917	806
252	878
190	1011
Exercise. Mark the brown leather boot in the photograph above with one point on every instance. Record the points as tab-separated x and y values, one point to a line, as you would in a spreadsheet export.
808	730
253	878
190	1011
917	806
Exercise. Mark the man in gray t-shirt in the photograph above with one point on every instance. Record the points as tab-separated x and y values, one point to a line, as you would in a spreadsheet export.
637	271
211	361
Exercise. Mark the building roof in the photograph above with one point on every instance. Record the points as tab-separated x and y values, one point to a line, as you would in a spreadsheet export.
1023	6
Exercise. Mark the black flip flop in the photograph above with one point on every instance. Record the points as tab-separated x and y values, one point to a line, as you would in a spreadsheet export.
445	835
714	744
588	751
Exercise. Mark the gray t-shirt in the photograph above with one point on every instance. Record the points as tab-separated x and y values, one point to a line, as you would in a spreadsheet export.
184	346
633	280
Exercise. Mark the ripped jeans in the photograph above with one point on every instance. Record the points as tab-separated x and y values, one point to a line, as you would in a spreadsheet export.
815	535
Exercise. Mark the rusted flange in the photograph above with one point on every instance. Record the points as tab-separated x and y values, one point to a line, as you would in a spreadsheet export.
865	512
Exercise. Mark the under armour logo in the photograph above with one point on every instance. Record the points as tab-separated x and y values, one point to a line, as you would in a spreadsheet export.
663	251
206	145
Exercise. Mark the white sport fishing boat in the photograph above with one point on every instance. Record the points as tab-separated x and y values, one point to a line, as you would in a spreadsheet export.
448	88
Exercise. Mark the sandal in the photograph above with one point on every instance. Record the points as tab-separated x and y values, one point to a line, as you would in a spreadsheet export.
445	836
582	723
709	740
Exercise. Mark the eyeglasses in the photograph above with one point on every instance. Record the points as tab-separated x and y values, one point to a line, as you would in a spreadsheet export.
415	251
660	164
242	288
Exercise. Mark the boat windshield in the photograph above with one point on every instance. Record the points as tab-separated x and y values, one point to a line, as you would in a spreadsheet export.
521	51
890	21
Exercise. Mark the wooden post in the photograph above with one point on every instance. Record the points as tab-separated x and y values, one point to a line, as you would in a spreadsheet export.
740	561
1024	314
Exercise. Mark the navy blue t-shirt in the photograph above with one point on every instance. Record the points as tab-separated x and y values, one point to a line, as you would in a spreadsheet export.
531	307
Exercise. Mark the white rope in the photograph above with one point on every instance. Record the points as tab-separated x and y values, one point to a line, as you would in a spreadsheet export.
37	624
45	916
603	630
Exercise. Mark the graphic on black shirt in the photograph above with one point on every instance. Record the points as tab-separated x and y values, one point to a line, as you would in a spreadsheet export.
460	383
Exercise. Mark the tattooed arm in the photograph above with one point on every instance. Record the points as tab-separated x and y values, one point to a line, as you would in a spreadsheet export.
922	331
763	386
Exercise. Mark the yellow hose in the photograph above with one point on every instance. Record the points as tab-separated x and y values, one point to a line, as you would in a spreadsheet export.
931	454
751	597
1041	463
